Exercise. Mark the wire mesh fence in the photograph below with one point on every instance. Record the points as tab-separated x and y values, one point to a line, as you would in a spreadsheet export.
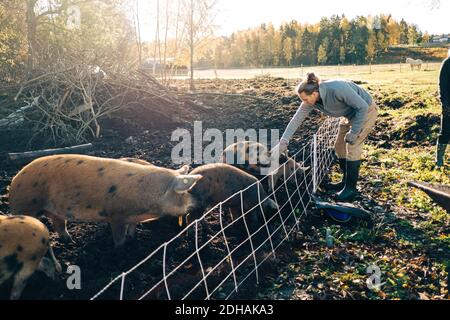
215	255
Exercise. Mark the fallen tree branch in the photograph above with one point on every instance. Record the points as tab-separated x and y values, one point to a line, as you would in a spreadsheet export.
40	153
27	83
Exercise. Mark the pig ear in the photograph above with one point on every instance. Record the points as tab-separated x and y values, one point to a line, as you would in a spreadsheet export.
184	169
47	266
184	183
271	204
273	179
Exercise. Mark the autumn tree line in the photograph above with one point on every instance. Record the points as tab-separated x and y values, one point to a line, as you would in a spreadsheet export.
35	35
335	40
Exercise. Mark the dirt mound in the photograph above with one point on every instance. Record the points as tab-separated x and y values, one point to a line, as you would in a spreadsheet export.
391	101
414	131
418	130
395	103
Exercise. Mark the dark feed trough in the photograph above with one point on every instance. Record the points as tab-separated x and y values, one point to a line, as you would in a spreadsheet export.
438	192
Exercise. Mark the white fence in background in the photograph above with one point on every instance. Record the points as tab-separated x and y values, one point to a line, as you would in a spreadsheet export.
216	255
296	73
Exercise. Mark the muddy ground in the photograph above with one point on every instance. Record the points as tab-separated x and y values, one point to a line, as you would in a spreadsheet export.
259	104
228	104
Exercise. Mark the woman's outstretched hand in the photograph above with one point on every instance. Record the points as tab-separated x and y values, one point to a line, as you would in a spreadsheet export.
280	148
350	137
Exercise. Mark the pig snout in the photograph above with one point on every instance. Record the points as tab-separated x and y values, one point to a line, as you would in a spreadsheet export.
24	242
271	205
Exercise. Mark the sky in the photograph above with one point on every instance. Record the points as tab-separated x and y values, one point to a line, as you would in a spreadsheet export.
242	14
232	15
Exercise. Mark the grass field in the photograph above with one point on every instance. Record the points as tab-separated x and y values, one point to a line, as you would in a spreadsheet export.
326	71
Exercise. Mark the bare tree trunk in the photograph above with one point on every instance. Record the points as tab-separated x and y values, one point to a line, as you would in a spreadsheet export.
191	36
165	41
31	35
138	33
159	46
177	26
156	38
175	52
179	36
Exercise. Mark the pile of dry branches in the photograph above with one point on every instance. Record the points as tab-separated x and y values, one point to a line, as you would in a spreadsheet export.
67	105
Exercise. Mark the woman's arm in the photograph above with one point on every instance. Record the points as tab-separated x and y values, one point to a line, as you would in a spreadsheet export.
295	122
351	98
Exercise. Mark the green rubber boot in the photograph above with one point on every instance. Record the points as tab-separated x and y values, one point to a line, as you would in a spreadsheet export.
350	192
440	154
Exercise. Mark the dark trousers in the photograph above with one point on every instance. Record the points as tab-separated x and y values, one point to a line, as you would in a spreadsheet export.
444	134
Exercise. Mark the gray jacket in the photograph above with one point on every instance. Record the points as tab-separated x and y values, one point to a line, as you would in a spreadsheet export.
341	98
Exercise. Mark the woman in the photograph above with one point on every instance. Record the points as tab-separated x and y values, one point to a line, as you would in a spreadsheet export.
337	98
444	90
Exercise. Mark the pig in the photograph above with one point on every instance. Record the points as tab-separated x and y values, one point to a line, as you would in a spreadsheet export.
183	170
92	189
220	181
24	241
138	161
252	157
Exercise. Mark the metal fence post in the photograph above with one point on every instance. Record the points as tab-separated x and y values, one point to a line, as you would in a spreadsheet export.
315	164
122	286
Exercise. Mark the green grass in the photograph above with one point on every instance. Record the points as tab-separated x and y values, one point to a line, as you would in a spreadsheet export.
379	74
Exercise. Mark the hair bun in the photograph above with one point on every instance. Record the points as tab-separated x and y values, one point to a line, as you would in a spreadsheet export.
311	78
309	85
